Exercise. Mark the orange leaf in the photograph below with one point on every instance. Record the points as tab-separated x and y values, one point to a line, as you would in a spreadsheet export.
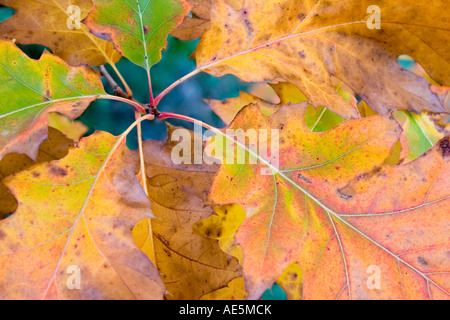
359	229
76	215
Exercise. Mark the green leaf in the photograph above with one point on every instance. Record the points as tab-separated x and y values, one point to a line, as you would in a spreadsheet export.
138	29
31	89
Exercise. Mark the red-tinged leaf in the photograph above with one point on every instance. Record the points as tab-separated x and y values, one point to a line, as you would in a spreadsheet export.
334	207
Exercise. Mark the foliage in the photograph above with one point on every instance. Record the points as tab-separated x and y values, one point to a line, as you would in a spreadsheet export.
354	203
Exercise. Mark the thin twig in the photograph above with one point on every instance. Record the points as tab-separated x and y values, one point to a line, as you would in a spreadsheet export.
118	91
127	88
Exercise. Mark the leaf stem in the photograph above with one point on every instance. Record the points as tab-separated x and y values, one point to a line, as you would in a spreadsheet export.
176	83
118	91
137	106
141	154
150	90
168	115
144	182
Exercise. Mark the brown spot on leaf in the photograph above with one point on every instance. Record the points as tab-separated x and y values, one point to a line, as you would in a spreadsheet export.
444	144
303	178
249	26
422	261
57	171
344	195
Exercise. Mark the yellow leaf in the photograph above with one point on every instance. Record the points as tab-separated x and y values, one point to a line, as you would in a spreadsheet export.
46	23
74	219
190	265
308	43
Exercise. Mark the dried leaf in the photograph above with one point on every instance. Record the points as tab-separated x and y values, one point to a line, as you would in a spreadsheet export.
308	43
46	22
190	265
193	27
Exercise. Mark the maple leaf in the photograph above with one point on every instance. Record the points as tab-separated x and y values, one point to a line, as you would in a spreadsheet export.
137	29
190	265
308	42
334	207
31	89
46	23
78	211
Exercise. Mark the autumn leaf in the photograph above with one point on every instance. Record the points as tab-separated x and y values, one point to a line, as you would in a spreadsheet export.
308	43
78	212
54	147
31	89
190	265
193	27
317	119
73	130
46	23
62	134
334	207
137	29
291	281
234	291
417	29
229	108
223	226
